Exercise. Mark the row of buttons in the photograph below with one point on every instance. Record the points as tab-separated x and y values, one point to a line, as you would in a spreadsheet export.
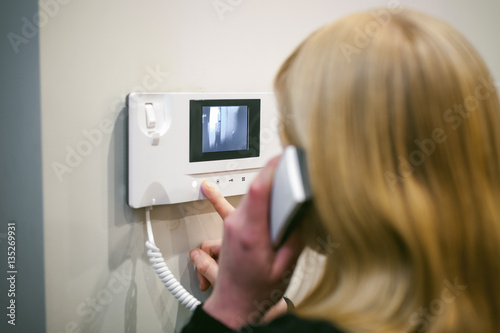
217	181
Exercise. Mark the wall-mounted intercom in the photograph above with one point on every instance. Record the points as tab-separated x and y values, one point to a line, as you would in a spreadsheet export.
177	140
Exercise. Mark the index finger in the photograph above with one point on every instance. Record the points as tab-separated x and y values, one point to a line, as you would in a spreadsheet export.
221	205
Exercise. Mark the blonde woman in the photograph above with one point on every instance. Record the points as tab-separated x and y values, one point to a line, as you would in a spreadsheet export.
400	121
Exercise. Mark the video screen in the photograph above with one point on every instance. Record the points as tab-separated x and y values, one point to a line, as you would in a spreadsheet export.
224	128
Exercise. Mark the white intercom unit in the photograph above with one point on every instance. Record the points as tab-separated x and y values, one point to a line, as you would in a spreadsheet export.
177	140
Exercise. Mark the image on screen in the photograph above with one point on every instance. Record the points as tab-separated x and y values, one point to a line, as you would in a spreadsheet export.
224	128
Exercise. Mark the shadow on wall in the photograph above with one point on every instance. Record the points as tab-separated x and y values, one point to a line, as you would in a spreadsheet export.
124	233
117	283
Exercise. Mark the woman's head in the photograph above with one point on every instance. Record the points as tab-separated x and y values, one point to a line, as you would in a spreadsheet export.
400	120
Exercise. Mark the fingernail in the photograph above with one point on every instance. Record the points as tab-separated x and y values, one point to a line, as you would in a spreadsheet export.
207	185
194	254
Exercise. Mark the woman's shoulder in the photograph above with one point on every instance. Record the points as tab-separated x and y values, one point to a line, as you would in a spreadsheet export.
288	323
291	323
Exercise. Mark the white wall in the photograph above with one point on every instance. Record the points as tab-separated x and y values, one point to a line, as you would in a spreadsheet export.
93	53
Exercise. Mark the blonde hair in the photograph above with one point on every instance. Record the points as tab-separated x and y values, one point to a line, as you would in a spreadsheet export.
401	124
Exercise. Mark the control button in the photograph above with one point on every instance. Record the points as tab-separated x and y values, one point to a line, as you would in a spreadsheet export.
217	181
231	180
150	116
242	179
155	139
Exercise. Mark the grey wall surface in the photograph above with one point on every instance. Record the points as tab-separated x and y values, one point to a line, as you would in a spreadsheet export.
21	169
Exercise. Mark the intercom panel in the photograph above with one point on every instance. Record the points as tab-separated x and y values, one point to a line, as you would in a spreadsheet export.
177	140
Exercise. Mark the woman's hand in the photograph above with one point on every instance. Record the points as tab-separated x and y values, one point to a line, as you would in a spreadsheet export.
206	259
251	276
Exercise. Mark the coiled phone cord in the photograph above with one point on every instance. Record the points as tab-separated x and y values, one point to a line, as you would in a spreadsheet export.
165	275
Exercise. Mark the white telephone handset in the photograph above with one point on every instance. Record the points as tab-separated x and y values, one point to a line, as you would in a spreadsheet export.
291	194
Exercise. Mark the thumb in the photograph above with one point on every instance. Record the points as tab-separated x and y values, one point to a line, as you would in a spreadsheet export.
206	266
